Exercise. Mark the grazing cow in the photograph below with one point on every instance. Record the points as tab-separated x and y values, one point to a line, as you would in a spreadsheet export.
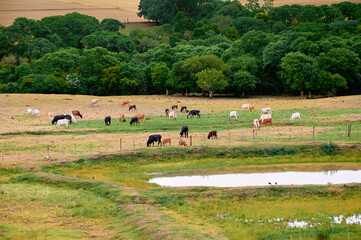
174	107
50	114
141	116
167	112
245	106
172	114
182	143
76	113
107	120
264	117
233	114
183	108
192	113
132	107
125	103
295	116
212	134
266	111
122	118
62	122
35	112
30	111
154	138
265	121
134	120
58	117
73	118
94	102
184	131
255	124
167	141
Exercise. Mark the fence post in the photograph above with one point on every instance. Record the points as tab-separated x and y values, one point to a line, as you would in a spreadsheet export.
120	144
190	140
253	136
313	132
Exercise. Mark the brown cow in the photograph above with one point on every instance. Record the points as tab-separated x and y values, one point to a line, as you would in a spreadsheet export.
122	118
76	113
132	107
212	134
125	103
182	143
140	116
265	121
174	107
167	140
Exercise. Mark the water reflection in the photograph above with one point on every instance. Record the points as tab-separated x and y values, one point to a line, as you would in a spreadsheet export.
262	179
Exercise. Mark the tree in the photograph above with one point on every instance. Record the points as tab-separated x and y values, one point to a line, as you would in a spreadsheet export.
159	75
211	79
299	71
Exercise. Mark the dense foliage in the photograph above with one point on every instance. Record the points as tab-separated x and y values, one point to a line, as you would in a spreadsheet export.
206	46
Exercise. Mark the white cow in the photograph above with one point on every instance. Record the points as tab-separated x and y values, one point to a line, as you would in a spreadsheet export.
255	124
94	102
35	112
172	114
62	122
266	111
295	116
233	114
265	116
30	111
245	106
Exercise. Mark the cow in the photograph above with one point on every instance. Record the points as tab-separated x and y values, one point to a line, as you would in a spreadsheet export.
154	138
62	122
172	114
167	112
182	143
35	112
167	141
134	107
122	118
265	121
266	111
184	131
174	107
255	124
134	120
76	113
295	116
192	113
245	106
50	114
125	103
141	116
94	102
107	120
212	134
233	114
58	117
183	108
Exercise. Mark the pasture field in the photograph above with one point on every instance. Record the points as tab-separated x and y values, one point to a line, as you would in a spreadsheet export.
89	189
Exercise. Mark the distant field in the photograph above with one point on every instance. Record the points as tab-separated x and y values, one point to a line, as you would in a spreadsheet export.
122	10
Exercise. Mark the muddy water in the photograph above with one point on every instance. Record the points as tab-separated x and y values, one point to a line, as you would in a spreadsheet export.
262	179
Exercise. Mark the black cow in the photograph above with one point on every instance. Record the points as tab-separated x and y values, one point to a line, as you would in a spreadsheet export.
107	120
184	131
192	113
58	117
134	120
154	138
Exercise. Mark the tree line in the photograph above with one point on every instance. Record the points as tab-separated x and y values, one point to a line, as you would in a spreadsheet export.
197	46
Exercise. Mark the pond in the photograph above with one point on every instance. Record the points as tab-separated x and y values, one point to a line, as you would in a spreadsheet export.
262	179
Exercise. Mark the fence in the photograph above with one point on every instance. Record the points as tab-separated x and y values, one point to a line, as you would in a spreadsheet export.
239	137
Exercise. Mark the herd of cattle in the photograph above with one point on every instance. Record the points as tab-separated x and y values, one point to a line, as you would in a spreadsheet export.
66	119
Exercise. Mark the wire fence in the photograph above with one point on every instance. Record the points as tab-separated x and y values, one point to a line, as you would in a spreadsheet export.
246	137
